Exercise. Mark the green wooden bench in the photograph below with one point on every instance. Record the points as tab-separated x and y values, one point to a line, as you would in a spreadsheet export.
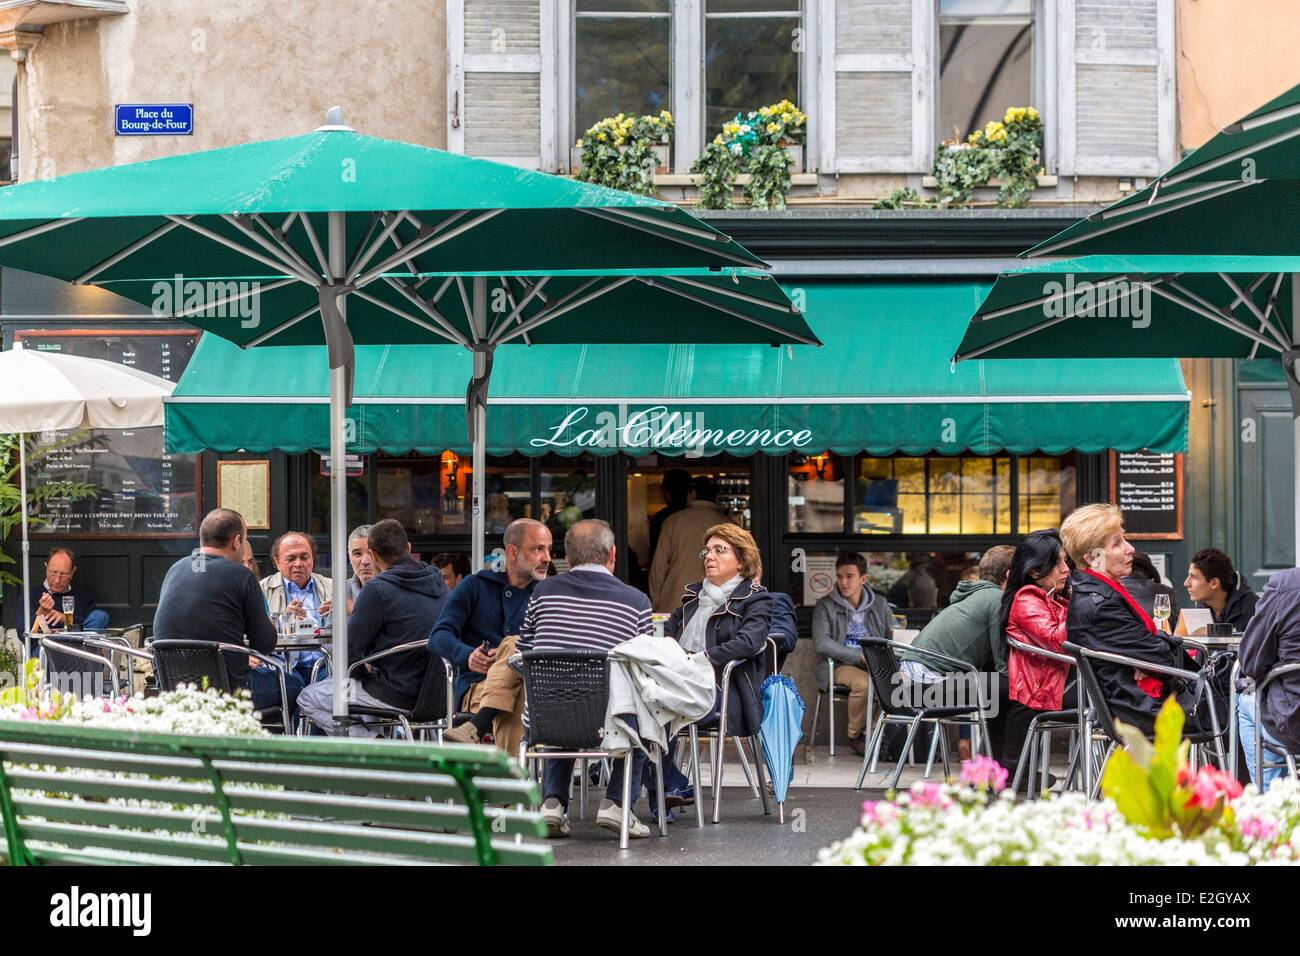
67	795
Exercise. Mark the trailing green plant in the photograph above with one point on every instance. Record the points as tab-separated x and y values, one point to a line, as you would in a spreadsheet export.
901	198
754	143
769	171
38	495
619	151
717	169
958	169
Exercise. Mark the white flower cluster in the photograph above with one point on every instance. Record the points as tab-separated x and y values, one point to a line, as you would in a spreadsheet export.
936	825
186	710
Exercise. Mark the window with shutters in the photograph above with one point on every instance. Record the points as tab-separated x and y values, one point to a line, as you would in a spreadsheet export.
986	62
622	51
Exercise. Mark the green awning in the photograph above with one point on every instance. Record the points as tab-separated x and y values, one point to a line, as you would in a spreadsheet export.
883	383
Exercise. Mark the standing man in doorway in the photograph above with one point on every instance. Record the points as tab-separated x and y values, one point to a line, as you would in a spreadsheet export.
677	560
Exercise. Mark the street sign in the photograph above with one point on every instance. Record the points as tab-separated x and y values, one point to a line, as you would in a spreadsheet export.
153	119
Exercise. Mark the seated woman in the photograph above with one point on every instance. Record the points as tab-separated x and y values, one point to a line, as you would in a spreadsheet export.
1034	607
727	617
1103	616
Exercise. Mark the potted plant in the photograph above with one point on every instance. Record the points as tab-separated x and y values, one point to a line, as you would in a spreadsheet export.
767	144
625	151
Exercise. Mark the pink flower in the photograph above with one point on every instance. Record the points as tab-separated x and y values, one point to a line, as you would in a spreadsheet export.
984	773
878	812
1209	785
929	795
107	709
1262	829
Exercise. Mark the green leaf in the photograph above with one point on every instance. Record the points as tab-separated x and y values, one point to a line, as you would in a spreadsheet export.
1129	786
1136	743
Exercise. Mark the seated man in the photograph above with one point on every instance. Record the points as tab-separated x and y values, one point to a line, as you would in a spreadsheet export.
454	566
210	596
398	606
1214	582
296	588
60	568
969	630
840	621
363	569
488	606
587	609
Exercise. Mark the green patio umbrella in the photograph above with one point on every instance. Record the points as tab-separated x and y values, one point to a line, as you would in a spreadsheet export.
1145	306
1236	195
336	238
1212	244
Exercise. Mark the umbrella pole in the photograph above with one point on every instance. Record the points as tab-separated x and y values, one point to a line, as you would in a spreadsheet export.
1295	404
24	626
339	495
479	514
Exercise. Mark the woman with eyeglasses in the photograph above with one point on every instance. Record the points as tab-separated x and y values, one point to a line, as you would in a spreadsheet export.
727	617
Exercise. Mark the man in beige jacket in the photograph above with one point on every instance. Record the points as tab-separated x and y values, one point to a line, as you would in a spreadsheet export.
677	561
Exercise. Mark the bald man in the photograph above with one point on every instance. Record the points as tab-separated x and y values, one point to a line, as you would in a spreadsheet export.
487	606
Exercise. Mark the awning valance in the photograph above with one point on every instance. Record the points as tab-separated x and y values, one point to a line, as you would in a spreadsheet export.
882	383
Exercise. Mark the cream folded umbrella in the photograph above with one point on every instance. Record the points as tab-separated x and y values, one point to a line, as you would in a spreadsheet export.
50	391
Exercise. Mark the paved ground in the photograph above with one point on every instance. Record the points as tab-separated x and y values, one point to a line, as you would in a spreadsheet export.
821	807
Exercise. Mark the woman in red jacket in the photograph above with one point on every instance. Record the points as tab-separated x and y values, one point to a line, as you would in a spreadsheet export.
1034	607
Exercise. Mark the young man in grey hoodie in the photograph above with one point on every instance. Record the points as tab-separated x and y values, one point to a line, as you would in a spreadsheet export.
840	621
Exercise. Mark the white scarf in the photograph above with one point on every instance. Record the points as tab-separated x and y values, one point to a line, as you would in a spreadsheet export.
711	597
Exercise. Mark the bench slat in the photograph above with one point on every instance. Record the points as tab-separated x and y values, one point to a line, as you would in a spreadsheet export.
79	837
197	794
349	780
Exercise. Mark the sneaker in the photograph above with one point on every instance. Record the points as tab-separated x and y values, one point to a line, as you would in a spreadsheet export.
610	817
556	820
684	797
654	815
464	734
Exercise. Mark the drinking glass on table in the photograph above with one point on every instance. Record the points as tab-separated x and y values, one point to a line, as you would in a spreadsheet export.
1160	610
69	611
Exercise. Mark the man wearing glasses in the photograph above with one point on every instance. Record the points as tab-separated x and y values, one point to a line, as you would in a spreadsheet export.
57	596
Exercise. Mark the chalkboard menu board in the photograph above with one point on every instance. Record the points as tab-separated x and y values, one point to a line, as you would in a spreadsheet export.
1148	488
141	492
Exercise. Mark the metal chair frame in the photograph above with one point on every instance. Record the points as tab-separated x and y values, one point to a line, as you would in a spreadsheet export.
837	693
1288	758
1045	724
281	669
919	715
717	747
1095	715
394	716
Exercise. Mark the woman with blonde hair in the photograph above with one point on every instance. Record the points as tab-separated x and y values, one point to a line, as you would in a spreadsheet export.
1104	616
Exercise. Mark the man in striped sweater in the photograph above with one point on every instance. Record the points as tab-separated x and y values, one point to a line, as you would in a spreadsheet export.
586	609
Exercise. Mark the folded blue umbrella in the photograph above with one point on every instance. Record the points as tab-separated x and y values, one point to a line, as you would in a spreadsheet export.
780	731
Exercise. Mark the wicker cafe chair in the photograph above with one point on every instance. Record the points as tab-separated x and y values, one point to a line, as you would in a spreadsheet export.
881	657
568	694
1287	758
1039	736
179	662
1095	715
434	702
73	665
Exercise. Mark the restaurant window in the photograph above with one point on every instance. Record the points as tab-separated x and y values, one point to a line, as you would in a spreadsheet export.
430	495
815	487
751	57
622	59
986	62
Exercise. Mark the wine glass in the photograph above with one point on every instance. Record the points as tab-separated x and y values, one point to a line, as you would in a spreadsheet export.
1160	610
